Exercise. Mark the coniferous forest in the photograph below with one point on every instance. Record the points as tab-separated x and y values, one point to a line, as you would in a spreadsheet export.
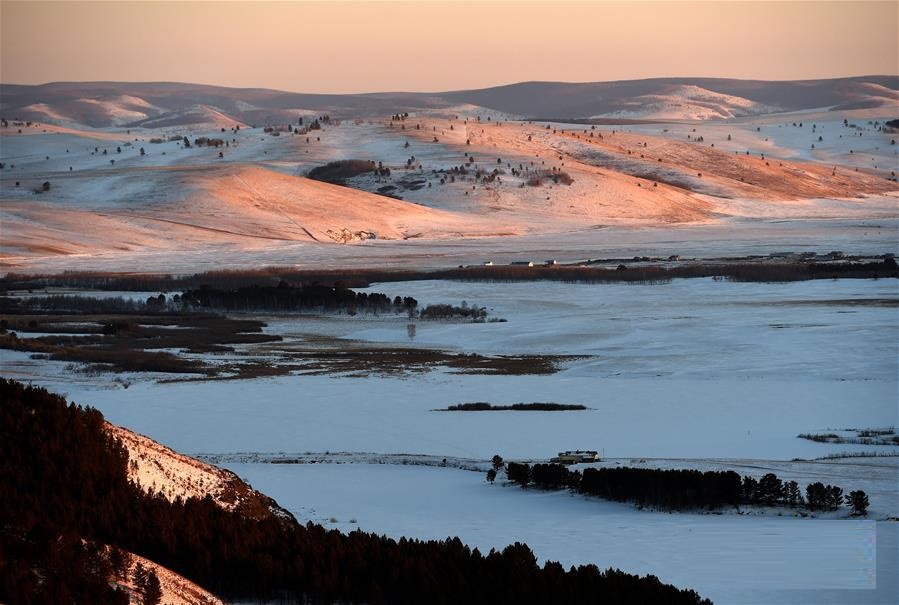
680	489
67	510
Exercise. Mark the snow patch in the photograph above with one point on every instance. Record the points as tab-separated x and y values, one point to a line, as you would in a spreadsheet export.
689	102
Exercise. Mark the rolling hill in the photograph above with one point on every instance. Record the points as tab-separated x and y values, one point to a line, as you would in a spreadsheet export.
153	104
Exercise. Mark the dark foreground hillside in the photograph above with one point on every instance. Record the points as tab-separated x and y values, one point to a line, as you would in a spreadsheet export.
65	495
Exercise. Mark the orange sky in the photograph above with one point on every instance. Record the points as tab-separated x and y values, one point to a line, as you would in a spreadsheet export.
430	46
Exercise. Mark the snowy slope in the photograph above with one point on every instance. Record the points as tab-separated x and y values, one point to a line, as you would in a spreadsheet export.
158	469
688	102
101	111
176	589
195	115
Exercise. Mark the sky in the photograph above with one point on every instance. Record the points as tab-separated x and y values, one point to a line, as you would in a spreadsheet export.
343	47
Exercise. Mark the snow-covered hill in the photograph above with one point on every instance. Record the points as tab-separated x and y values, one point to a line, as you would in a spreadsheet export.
195	115
114	110
688	102
158	469
104	104
176	589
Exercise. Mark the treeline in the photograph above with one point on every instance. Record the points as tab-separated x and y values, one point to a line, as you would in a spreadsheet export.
72	303
64	479
656	274
636	272
150	282
483	406
317	297
443	311
286	297
255	298
283	297
866	437
683	489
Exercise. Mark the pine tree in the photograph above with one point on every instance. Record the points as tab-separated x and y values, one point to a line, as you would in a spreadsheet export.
152	589
858	500
834	497
750	489
770	489
140	576
793	493
816	495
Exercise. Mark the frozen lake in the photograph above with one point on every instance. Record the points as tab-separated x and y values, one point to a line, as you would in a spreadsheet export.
694	368
700	370
791	560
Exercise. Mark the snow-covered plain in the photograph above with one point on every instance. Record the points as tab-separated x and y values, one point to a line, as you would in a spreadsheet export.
695	373
693	368
707	372
701	370
728	558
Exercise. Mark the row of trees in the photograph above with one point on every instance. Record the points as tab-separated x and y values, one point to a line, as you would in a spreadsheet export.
287	297
681	489
444	311
64	478
654	274
357	278
73	303
313	297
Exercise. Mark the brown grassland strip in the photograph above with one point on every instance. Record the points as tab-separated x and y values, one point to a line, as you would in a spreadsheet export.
182	344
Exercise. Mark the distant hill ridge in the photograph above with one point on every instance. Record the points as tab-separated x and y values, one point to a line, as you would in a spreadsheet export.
156	104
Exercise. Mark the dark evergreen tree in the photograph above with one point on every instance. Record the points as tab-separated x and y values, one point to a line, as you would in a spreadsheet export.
793	493
151	589
816	496
834	497
770	489
750	489
518	473
858	501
